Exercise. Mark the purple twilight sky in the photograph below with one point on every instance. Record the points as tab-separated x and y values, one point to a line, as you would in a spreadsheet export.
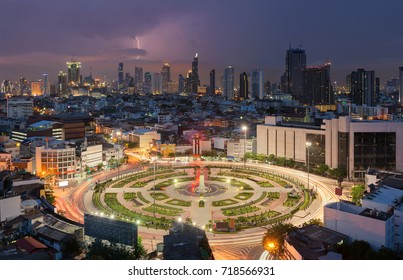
40	36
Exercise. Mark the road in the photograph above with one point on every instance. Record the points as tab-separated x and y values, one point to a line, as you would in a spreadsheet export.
244	245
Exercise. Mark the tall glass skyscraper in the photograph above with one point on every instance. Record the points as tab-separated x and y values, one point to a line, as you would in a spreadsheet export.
243	86
228	83
73	72
212	82
120	75
138	76
166	77
256	84
195	82
292	79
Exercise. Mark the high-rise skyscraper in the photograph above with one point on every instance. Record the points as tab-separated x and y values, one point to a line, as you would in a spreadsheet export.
188	83
256	84
401	85
317	87
212	82
147	82
228	83
61	83
37	88
195	82
24	85
156	83
166	77
363	87
243	86
292	79
73	72
181	84
120	75
138	76
46	88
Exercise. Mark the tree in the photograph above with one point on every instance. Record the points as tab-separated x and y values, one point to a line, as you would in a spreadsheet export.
337	172
72	248
273	240
100	250
357	250
357	192
317	222
139	251
387	254
322	169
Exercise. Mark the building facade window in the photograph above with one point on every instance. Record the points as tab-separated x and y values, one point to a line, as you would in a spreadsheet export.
317	148
374	150
343	151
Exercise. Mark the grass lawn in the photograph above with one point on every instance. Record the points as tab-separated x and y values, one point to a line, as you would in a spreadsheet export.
179	202
244	195
224	202
159	196
129	195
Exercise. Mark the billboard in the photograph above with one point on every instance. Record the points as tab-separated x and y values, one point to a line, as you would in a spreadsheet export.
110	229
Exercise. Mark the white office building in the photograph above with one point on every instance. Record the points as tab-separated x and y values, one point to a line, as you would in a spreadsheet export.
144	137
239	147
59	161
20	107
359	223
351	145
91	156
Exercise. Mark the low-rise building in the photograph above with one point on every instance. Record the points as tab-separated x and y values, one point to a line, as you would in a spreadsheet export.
20	107
144	137
58	160
312	242
39	129
185	242
238	148
10	207
359	223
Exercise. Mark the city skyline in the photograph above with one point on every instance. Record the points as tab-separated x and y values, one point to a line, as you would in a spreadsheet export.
41	37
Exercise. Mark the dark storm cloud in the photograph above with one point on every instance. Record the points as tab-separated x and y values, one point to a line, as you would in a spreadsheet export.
244	34
76	26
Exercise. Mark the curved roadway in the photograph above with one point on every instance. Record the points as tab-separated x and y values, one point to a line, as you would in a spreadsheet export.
74	202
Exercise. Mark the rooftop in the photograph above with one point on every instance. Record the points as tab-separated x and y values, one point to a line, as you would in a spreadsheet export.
51	233
358	210
60	225
314	242
30	244
385	195
374	214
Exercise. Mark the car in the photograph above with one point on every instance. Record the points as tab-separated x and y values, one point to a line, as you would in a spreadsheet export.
288	186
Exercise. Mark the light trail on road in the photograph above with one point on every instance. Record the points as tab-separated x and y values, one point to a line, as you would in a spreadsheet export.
72	203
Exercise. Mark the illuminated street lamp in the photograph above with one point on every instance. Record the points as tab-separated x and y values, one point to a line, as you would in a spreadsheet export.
154	159
308	144
244	128
118	134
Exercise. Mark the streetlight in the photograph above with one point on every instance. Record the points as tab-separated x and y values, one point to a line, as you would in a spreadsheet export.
118	134
155	207
308	144
244	128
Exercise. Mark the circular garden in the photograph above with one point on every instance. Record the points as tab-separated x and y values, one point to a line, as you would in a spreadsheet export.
242	197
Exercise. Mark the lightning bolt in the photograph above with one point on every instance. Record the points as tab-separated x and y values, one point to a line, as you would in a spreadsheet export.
138	45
